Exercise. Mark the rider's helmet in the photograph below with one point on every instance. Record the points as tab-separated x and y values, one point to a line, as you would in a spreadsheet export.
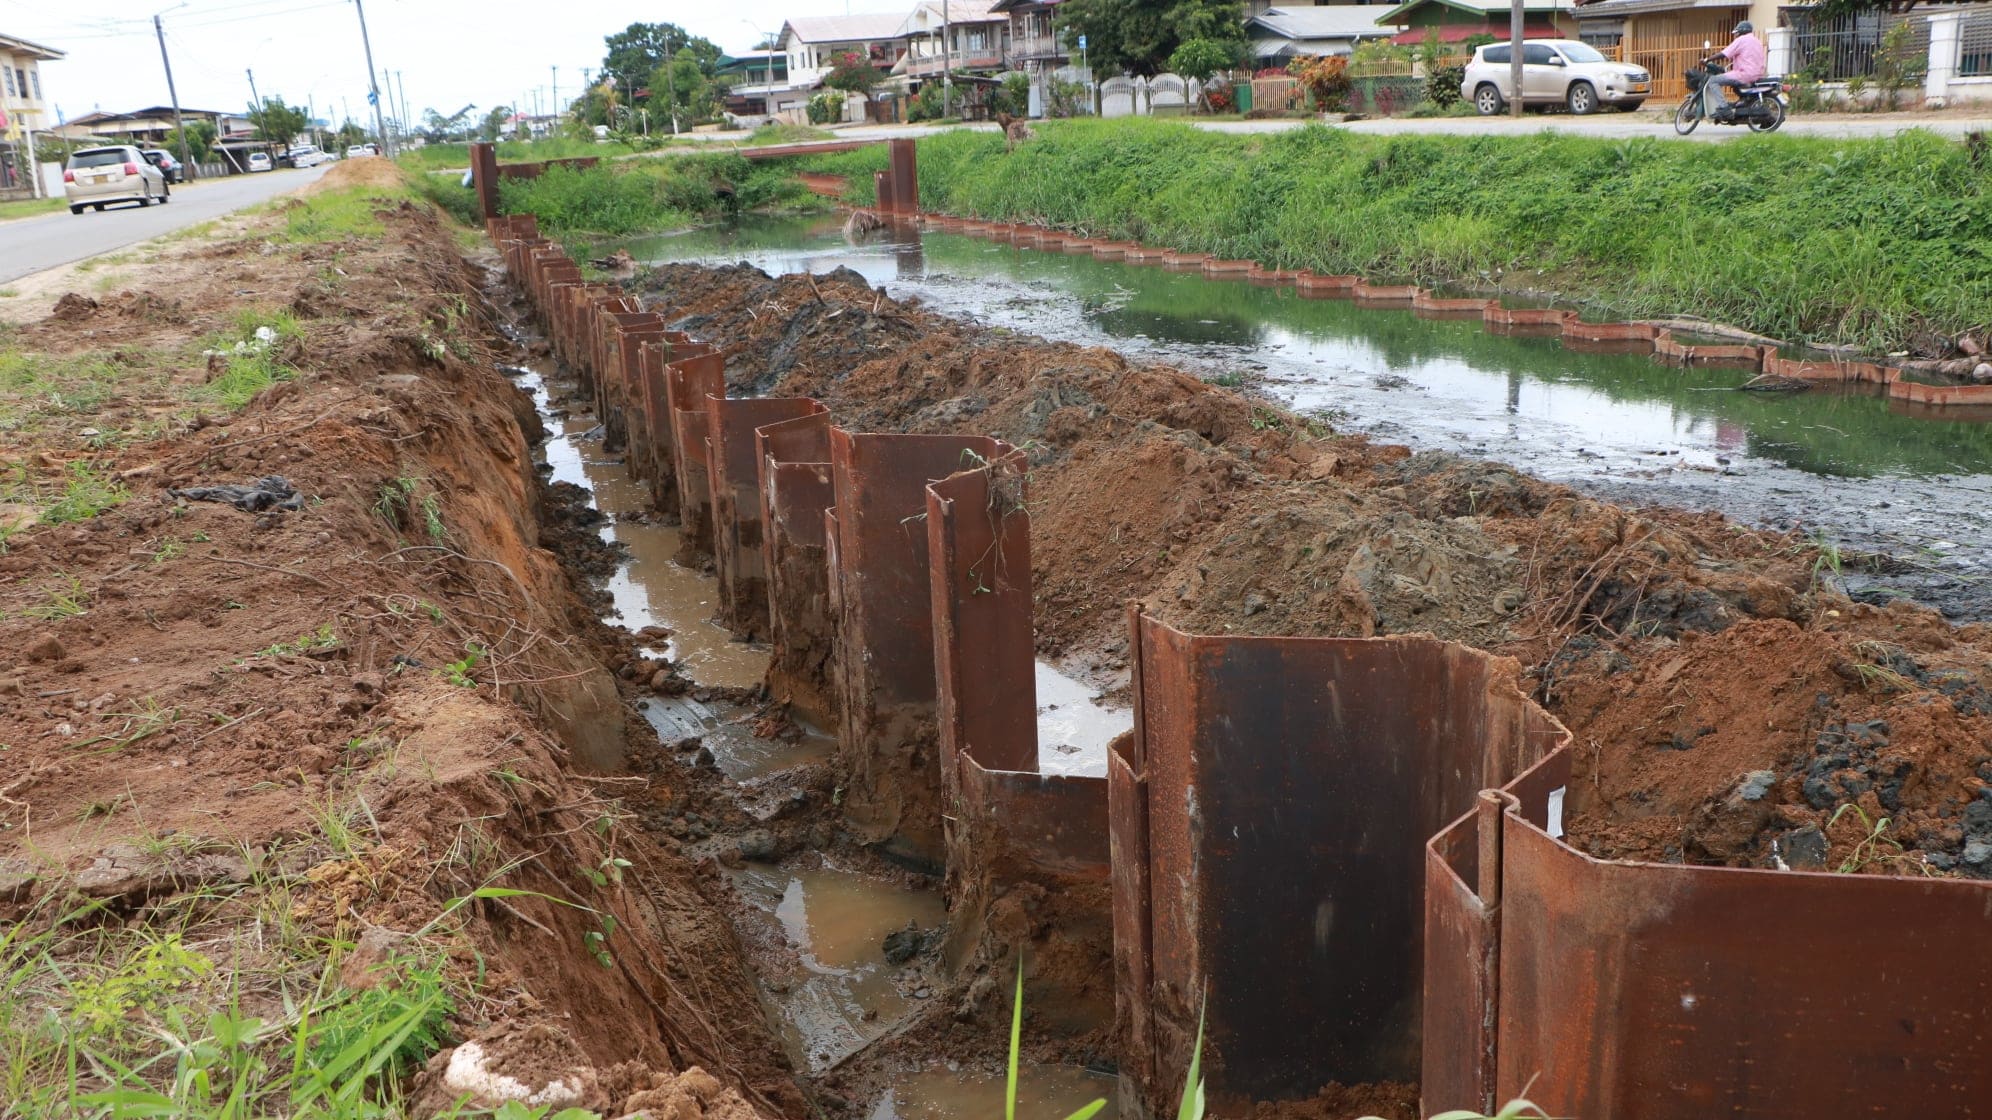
1745	27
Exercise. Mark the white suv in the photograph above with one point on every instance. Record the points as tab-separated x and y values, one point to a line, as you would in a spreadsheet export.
307	155
1554	72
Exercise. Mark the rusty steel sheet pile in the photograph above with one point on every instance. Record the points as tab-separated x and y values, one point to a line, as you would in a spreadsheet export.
736	504
796	492
1271	811
887	737
1646	991
1013	823
696	373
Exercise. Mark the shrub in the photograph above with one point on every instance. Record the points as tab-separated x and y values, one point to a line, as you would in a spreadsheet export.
826	108
1442	85
1326	80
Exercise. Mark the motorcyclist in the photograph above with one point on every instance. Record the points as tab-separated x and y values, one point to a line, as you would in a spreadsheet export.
1747	64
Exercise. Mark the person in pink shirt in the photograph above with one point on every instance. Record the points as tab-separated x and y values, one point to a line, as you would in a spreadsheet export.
1747	63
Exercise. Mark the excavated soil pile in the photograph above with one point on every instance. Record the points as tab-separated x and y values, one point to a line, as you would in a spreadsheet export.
371	688
1729	705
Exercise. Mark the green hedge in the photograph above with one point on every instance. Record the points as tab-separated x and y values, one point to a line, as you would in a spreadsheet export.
1861	241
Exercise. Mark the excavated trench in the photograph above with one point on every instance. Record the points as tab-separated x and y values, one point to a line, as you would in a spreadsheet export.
844	944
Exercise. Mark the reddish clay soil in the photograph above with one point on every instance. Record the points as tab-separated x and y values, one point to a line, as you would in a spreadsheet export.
228	688
1724	698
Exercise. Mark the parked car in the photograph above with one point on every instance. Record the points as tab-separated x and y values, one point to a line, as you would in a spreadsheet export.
260	161
167	165
1554	72
100	176
306	155
358	150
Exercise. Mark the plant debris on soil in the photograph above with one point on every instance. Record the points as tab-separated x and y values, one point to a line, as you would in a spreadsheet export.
1731	705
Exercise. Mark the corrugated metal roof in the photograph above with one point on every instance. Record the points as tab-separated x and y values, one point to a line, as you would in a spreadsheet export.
864	26
31	48
1599	9
1329	21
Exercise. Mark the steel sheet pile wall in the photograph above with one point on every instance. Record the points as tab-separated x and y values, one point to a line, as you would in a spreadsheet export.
1277	794
1349	848
1670	992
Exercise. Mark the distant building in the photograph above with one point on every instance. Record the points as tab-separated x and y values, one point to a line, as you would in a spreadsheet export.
1281	34
966	37
1455	21
23	111
150	126
814	43
1035	45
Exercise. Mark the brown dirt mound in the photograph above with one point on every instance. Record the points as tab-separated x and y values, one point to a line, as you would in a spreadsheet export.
384	693
372	171
1226	514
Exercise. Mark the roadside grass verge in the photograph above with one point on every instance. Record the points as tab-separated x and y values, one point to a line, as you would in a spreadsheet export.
29	207
788	134
438	157
636	195
1872	243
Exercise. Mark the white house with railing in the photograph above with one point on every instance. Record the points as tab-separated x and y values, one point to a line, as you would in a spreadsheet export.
814	43
964	36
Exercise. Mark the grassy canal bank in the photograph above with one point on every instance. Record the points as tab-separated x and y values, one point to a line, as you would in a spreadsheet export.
1879	244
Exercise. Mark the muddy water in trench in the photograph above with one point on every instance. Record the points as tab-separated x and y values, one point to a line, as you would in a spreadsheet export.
843	992
1875	475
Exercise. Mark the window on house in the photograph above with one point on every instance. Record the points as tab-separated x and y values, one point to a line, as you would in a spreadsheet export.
9	71
36	75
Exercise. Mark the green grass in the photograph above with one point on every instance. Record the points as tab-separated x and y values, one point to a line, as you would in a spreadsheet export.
788	134
250	361
436	157
29	207
335	215
651	194
1866	242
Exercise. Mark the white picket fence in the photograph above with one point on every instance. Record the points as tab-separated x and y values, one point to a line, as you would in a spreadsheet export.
1140	97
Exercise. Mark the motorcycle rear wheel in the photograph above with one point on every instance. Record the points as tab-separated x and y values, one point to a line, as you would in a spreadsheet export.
1688	115
1776	109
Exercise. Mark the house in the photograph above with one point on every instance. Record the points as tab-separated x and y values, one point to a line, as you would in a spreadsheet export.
1035	45
813	43
758	85
1284	33
962	36
23	111
150	126
1455	21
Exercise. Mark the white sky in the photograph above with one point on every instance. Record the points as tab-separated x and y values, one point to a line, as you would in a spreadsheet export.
448	52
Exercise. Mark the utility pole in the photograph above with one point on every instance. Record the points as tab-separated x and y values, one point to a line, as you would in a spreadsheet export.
556	94
373	80
947	50
179	126
407	116
255	99
1515	35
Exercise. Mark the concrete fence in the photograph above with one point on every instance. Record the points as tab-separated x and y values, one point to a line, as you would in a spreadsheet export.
1957	68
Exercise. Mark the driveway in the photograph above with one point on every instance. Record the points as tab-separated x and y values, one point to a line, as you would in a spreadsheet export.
30	245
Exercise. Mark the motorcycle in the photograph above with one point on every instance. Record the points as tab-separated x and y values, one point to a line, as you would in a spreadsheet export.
1760	105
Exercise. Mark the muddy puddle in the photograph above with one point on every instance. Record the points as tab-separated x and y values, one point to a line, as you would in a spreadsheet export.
1873	475
942	1094
1074	725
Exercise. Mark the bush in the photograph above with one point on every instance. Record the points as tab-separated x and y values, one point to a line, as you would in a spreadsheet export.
1326	80
1013	96
642	195
826	108
1442	85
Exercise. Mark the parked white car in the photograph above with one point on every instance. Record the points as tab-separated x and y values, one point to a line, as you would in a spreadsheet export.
358	151
307	155
260	161
1554	72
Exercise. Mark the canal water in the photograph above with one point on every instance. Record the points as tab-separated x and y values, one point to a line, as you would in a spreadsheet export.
1870	474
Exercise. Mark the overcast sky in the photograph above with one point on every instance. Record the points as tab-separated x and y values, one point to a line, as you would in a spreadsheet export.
449	53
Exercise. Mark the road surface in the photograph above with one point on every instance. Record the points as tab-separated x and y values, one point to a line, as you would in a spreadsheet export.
29	245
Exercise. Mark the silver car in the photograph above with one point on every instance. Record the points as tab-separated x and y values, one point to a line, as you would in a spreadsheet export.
1554	72
100	176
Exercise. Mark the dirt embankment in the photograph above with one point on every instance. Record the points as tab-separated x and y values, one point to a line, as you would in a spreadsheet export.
1731	705
342	736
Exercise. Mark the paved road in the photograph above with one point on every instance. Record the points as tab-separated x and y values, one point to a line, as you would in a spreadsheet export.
29	245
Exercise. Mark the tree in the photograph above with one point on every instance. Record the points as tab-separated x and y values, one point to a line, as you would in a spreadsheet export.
684	86
200	139
852	73
494	123
439	128
635	53
1199	59
276	121
349	134
1139	36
